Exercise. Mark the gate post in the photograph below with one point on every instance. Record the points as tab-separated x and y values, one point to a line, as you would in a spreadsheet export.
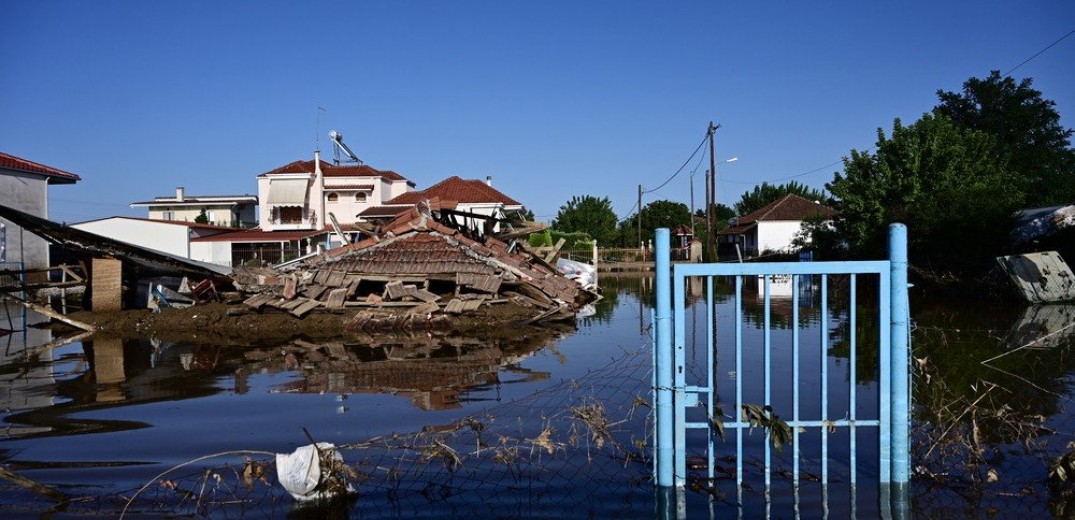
665	451
900	366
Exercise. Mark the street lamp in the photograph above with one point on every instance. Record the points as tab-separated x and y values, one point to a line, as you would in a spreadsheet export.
710	201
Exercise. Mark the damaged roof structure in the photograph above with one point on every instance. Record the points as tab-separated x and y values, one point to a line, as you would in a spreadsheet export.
419	270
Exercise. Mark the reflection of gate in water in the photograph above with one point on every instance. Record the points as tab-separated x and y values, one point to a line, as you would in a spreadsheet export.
691	423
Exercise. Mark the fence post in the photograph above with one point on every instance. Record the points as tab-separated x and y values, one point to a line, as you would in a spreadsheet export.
665	451
900	366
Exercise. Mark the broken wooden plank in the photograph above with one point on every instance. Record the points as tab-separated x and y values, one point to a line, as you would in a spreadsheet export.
336	298
455	306
304	308
314	292
50	313
426	296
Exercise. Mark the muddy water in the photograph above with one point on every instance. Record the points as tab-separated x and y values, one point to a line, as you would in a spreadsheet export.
104	416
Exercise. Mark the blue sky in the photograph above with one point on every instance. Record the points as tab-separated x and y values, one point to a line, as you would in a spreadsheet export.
553	99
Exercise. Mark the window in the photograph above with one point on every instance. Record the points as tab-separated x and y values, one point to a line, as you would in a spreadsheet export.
360	196
168	215
333	197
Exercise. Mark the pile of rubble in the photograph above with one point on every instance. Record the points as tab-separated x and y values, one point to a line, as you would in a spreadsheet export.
417	271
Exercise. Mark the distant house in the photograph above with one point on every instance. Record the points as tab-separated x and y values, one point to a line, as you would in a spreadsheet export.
167	236
221	210
299	204
300	196
24	186
467	199
771	228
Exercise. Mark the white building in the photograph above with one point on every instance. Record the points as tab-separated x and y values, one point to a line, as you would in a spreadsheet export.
301	195
24	186
166	236
772	228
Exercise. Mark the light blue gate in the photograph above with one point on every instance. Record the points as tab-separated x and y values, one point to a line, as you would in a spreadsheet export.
674	396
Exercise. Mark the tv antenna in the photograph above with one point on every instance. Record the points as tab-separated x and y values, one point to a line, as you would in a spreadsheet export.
337	141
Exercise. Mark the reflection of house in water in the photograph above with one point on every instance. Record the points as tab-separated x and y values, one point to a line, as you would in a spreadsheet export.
433	373
22	388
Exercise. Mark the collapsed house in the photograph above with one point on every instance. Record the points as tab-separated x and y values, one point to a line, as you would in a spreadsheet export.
415	273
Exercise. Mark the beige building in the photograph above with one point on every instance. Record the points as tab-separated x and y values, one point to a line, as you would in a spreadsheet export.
235	211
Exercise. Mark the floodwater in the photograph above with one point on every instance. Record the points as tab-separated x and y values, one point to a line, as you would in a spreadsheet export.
543	425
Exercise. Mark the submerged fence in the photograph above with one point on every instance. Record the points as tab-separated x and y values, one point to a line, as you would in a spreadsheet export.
686	405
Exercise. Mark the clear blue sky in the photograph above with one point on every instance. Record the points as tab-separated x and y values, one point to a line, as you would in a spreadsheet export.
553	99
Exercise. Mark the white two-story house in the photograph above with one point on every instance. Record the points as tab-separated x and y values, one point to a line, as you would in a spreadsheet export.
302	194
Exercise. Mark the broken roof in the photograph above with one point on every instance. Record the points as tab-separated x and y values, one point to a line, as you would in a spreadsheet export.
416	244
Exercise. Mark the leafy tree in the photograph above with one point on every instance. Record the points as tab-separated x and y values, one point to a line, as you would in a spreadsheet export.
657	214
202	217
1028	133
761	195
942	180
590	215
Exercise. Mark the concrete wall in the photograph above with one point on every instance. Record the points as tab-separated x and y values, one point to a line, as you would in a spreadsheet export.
160	236
29	194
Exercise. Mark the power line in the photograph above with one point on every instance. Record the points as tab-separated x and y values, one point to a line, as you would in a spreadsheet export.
685	163
1051	45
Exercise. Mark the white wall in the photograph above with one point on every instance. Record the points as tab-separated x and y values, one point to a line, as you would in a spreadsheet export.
776	235
160	236
212	252
29	194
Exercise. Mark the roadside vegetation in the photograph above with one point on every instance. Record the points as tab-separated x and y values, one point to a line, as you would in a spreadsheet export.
957	177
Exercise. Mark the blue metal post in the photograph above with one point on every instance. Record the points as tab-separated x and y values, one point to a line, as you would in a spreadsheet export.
663	325
900	345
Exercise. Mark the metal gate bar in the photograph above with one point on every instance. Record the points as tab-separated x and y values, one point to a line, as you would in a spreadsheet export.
674	396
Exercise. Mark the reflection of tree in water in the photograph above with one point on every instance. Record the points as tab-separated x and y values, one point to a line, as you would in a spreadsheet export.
979	400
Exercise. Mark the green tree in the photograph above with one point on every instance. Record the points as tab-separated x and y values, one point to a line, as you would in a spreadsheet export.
757	198
202	217
590	215
942	180
657	214
1027	128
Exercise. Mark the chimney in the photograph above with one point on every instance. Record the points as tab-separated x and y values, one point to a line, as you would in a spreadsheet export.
179	192
489	180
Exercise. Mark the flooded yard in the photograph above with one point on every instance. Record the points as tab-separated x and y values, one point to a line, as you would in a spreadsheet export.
551	424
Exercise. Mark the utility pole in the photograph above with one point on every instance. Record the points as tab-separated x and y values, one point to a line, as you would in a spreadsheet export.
711	192
638	217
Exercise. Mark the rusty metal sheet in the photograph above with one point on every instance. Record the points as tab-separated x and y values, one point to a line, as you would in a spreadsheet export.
1041	277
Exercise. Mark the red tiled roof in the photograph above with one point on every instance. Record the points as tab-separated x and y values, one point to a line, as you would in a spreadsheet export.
788	207
459	190
332	170
10	162
257	235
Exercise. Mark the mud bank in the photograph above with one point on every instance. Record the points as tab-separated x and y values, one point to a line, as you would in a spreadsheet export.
234	324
